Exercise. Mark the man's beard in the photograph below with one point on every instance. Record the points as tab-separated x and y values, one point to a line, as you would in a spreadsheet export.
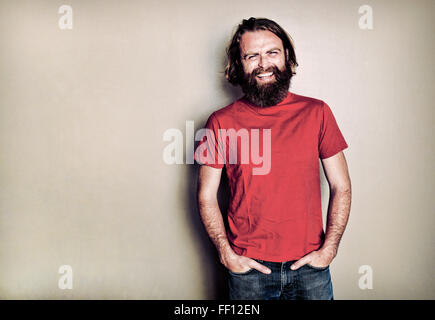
267	94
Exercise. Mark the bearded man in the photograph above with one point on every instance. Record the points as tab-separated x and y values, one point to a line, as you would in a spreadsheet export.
275	246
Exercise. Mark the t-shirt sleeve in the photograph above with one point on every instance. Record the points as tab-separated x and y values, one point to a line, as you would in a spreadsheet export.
331	140
210	148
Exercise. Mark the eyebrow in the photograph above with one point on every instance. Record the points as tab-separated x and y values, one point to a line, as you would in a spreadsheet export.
254	54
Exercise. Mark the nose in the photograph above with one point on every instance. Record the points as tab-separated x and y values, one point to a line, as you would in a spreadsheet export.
263	62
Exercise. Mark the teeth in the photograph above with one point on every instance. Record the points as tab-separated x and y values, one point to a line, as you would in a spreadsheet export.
265	74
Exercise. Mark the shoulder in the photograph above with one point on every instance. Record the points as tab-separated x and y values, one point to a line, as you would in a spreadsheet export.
228	112
312	102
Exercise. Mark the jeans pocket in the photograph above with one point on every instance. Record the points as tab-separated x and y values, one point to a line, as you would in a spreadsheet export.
241	273
246	272
317	268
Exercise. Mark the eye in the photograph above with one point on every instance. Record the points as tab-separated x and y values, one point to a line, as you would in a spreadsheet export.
274	52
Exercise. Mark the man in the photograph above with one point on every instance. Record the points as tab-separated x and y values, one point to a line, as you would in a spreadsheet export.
275	246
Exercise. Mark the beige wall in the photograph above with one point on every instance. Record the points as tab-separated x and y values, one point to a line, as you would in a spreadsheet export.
83	112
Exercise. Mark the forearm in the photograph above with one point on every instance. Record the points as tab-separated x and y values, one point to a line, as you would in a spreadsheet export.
211	217
338	214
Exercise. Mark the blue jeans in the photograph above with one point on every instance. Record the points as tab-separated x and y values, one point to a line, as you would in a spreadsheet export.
306	283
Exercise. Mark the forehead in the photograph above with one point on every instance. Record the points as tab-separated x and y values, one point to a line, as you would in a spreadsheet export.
259	40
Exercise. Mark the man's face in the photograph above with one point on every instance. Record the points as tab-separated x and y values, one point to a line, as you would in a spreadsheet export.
266	79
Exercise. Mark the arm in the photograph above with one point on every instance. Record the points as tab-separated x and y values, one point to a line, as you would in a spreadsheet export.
337	174
211	216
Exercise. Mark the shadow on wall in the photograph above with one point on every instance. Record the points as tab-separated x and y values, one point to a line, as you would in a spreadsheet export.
214	274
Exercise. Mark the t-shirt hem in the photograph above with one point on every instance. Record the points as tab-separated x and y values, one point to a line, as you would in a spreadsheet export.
280	258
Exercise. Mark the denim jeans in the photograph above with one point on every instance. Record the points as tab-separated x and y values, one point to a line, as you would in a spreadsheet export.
305	283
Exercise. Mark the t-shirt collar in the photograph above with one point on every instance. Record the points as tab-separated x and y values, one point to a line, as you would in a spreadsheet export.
285	101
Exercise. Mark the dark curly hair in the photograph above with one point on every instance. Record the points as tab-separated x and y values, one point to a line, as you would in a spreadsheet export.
234	68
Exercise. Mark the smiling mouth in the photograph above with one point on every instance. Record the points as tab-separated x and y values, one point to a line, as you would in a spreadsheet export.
266	75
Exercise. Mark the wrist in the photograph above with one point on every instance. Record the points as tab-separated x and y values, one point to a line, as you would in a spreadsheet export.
329	250
226	253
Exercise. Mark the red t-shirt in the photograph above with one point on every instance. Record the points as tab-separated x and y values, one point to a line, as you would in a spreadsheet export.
276	215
